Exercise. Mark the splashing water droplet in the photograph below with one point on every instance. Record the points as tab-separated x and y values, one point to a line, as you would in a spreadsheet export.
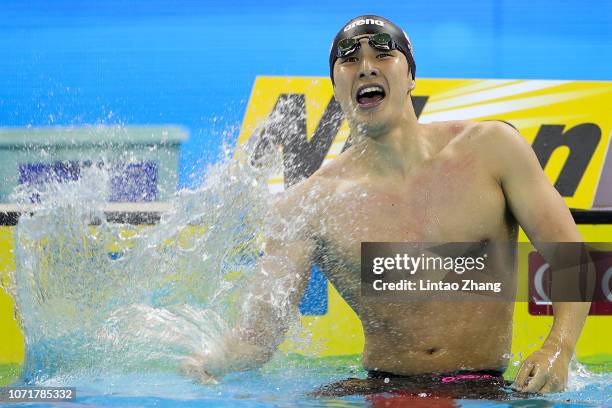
117	297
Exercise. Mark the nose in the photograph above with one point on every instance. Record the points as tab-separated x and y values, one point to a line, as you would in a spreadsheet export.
367	69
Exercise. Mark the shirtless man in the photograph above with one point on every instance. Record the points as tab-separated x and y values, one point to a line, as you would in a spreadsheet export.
400	180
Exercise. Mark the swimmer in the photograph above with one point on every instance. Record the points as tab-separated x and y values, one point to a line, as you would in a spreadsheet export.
404	181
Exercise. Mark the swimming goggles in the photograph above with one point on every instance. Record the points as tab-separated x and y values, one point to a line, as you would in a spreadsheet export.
380	41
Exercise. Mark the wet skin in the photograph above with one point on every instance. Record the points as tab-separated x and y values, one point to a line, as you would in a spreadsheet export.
451	197
404	181
439	188
401	180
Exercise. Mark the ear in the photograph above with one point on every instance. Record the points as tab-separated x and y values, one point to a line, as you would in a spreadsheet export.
412	84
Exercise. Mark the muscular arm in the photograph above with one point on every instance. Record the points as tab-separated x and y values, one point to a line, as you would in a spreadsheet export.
544	216
271	301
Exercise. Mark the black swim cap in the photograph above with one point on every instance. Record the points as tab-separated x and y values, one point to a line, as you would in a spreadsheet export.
370	24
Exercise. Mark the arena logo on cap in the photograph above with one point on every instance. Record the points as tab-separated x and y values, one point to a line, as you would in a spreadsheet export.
364	21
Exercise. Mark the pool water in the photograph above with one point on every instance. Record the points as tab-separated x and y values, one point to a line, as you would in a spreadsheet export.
286	382
156	295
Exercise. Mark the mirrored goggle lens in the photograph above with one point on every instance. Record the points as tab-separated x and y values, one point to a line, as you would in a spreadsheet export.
381	39
347	46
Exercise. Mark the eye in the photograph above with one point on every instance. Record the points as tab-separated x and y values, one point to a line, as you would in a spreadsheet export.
348	59
383	55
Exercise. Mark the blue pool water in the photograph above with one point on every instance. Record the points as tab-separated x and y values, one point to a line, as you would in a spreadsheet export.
286	382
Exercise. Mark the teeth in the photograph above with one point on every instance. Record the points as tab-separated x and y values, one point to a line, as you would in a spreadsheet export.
370	89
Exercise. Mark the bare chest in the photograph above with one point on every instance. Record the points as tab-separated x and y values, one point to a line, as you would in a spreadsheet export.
453	200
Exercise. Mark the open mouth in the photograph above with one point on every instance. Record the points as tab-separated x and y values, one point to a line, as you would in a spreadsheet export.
369	96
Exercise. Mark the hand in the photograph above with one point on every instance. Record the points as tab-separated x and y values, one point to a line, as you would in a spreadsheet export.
232	355
544	371
193	367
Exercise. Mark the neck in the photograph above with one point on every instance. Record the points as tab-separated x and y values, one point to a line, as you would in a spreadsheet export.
394	147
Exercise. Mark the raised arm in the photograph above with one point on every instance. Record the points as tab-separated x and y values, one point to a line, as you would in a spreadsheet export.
544	216
271	301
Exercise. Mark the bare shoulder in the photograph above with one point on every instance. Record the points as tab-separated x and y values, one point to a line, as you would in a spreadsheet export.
453	133
489	136
491	132
498	143
301	199
466	131
500	139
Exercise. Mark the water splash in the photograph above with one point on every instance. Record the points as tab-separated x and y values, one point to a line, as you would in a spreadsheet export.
586	386
121	297
125	298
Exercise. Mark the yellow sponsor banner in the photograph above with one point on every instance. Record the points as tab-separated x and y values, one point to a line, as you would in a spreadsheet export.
574	114
339	331
11	339
553	111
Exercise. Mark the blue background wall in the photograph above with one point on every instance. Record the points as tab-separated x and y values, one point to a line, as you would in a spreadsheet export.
193	63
